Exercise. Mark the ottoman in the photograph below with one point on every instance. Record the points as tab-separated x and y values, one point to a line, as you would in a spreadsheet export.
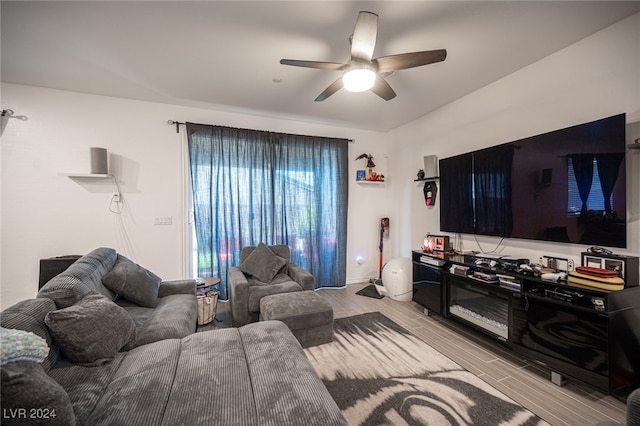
307	314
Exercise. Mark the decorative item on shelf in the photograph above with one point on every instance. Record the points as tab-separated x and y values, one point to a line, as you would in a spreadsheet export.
361	175
430	190
435	243
430	170
375	177
371	175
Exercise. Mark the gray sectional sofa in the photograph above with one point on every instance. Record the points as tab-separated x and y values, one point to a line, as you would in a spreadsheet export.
160	309
107	359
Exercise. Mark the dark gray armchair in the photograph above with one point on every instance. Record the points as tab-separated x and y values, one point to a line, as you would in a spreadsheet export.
263	271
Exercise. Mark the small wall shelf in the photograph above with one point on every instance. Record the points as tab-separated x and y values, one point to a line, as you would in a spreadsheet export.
634	146
369	182
427	179
87	175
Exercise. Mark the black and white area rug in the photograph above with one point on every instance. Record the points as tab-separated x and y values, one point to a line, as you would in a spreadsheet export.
379	373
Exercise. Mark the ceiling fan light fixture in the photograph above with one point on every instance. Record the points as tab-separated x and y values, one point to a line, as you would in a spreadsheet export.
359	78
363	71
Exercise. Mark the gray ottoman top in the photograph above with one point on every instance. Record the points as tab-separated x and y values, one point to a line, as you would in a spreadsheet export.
298	309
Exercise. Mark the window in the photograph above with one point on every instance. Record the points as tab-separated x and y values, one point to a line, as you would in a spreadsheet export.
252	186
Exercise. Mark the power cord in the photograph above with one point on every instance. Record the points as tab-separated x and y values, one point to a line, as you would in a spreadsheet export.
116	204
495	250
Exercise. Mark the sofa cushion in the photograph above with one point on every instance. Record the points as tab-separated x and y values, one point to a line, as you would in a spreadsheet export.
26	386
213	360
85	386
133	282
138	389
231	376
82	278
168	288
175	317
92	331
286	387
263	263
28	315
257	290
259	376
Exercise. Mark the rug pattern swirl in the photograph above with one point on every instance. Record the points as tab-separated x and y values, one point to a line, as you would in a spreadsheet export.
379	373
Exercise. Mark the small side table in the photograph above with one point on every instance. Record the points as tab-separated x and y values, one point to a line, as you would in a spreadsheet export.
207	294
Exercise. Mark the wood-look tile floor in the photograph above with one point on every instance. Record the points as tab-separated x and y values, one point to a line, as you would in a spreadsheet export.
527	383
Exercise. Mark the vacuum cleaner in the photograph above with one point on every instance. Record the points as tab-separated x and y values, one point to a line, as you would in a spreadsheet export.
372	290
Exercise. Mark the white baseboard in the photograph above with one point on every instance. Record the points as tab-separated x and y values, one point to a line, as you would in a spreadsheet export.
362	280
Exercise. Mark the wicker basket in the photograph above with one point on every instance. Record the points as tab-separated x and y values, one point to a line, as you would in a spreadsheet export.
207	308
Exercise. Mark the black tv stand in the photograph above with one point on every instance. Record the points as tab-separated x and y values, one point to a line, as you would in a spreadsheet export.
587	335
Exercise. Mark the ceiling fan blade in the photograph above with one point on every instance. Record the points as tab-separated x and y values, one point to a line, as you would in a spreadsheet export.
332	66
403	61
364	36
333	88
382	89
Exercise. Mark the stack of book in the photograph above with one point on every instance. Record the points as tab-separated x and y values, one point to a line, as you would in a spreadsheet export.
509	282
485	276
460	270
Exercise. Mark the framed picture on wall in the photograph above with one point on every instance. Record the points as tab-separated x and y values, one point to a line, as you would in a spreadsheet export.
361	175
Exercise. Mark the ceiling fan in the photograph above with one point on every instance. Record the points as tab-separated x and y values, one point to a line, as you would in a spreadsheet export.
362	72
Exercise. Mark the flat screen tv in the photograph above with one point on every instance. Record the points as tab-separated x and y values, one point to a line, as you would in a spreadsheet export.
565	186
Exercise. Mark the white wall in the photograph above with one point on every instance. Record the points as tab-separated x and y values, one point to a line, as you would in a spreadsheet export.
45	214
592	79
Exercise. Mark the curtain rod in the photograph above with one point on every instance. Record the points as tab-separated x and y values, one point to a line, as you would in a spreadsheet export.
178	124
8	113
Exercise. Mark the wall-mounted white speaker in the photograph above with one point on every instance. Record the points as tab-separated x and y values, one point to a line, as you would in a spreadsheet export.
430	166
99	162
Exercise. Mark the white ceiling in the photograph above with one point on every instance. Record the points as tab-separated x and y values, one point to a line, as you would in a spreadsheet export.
225	55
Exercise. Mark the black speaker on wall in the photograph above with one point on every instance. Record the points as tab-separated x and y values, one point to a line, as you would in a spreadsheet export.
53	266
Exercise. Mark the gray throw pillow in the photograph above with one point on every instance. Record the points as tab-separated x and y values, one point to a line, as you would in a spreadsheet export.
30	396
133	282
263	264
92	331
28	315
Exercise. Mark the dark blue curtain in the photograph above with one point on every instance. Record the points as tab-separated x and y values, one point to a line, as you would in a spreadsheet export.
252	186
